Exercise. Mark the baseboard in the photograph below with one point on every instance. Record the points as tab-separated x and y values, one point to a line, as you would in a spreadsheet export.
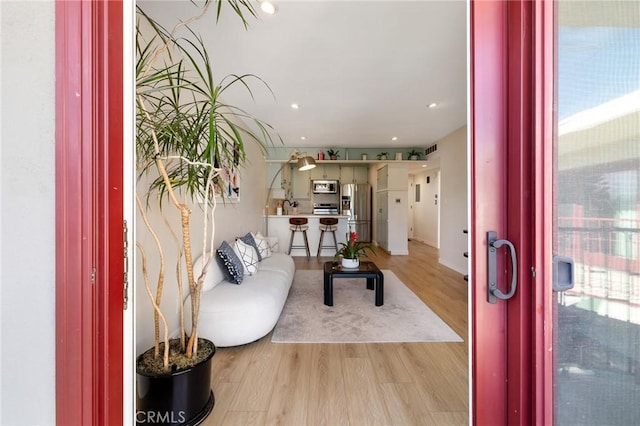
425	242
456	268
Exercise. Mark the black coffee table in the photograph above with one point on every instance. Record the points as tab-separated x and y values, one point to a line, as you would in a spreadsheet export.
368	270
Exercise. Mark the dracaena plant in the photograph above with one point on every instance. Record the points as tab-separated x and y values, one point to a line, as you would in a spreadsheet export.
187	137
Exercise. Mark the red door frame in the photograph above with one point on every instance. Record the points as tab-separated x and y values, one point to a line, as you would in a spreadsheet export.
543	299
511	106
487	163
89	212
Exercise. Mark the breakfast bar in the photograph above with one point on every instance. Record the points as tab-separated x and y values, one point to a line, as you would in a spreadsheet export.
279	227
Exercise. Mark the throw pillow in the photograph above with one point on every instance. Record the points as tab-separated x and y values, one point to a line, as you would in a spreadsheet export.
262	245
249	257
248	239
230	263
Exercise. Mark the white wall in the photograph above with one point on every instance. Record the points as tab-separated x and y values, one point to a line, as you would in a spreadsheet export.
453	199
27	228
231	220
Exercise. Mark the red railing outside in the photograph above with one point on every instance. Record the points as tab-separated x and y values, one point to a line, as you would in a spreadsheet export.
606	255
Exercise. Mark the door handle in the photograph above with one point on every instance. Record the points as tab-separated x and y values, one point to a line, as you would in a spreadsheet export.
493	292
562	273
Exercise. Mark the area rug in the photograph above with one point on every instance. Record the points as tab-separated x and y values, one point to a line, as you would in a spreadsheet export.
354	318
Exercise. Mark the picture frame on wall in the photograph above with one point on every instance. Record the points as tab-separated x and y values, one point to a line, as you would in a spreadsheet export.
228	191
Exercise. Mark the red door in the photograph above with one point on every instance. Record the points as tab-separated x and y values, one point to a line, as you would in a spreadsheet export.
89	213
511	134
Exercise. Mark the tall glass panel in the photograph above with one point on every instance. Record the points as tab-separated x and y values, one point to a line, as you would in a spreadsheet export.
597	212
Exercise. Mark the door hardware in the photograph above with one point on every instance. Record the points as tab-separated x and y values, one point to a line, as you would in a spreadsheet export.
562	273
493	292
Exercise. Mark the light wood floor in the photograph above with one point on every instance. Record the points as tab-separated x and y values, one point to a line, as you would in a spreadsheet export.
264	383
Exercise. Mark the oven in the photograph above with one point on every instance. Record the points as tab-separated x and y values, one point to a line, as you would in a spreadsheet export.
325	208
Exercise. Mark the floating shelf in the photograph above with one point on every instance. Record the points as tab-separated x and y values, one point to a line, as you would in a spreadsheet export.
354	161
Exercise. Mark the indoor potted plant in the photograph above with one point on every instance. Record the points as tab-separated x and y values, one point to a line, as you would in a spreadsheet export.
333	153
187	141
382	155
414	154
350	252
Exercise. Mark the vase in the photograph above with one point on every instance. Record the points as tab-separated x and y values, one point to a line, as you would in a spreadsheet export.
350	263
182	397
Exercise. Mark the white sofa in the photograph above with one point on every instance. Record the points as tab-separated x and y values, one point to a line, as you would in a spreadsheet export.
236	314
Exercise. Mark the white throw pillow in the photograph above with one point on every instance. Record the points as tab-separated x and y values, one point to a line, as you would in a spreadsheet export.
248	255
262	244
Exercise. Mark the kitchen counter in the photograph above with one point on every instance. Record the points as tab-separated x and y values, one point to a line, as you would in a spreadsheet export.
278	226
308	215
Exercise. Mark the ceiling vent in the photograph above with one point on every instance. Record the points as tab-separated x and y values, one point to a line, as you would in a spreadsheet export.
431	149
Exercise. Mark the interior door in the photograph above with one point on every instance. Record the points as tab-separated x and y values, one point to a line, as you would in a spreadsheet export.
597	213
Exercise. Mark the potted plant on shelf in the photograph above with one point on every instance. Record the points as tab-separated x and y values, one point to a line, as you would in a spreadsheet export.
188	142
414	154
333	153
382	155
351	251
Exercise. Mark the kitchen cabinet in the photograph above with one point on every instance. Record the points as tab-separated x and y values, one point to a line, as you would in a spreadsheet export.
391	221
361	174
382	179
382	231
391	214
318	172
354	174
393	177
272	169
301	184
325	171
279	177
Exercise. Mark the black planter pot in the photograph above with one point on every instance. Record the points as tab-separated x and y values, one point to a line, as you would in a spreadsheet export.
175	398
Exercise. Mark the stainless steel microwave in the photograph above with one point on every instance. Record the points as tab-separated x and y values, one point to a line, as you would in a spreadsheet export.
324	186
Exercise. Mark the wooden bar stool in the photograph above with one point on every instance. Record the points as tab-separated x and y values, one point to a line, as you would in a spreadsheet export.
328	224
299	224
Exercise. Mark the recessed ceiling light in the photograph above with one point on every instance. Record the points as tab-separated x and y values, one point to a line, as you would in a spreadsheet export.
433	105
295	106
424	165
395	138
268	7
304	138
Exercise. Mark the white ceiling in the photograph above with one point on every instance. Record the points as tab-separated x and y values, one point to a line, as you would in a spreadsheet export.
361	71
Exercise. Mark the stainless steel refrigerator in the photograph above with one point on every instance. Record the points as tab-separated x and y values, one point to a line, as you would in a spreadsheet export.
356	203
